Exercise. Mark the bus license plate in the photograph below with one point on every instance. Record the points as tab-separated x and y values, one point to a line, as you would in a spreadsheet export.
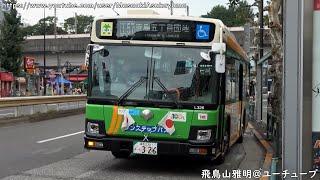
145	148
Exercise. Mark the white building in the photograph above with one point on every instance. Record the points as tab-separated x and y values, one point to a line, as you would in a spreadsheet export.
3	8
1	13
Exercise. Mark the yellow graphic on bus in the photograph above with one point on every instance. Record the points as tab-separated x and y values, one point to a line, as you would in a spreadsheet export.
106	28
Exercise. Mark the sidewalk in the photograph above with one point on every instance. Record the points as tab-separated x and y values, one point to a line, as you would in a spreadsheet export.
269	147
262	130
255	153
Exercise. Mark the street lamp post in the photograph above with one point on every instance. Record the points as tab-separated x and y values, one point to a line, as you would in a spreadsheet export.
171	7
44	52
261	55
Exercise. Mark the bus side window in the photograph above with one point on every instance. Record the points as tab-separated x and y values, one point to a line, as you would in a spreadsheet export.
230	80
241	88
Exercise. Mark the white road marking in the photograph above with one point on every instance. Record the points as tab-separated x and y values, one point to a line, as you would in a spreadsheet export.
59	137
86	174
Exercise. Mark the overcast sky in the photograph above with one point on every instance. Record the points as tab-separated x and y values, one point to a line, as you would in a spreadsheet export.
32	15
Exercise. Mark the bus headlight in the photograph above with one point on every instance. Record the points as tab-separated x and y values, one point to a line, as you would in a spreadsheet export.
93	128
204	135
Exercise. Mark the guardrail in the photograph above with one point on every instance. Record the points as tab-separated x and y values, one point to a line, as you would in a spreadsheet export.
13	107
36	100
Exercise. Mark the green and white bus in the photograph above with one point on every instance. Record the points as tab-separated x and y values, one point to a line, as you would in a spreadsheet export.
165	86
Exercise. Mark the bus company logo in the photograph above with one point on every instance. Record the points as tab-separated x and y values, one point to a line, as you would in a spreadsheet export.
178	116
132	112
121	111
202	116
106	28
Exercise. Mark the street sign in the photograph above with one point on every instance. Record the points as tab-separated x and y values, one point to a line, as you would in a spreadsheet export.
317	5
29	65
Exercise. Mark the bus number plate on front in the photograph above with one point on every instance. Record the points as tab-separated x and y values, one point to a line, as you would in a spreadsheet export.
145	148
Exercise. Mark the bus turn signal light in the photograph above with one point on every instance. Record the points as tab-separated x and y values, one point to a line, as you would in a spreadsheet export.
91	143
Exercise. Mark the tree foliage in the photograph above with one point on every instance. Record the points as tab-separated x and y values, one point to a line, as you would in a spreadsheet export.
275	72
11	38
38	29
83	24
234	15
233	2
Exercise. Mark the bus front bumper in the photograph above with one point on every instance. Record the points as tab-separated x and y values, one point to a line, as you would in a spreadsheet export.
163	147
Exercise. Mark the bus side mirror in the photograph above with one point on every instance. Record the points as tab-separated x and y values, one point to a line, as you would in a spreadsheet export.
219	49
220	63
104	53
205	56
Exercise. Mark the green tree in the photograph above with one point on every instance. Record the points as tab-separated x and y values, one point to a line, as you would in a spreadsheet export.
28	30
83	24
10	41
243	13
236	15
275	24
38	29
49	27
219	12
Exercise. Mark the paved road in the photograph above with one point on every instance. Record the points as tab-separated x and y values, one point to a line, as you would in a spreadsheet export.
60	155
19	150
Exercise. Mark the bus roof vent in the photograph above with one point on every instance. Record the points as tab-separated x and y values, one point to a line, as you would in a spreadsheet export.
141	12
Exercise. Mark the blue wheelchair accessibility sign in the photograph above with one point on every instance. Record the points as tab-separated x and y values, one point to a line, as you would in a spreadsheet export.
202	31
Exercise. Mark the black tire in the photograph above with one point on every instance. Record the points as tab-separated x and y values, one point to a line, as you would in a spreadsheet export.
220	159
243	128
240	139
121	154
226	140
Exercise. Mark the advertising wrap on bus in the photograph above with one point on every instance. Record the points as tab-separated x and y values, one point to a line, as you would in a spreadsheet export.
155	30
154	87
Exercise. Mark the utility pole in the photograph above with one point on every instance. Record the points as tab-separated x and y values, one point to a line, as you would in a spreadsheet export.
171	7
76	23
261	28
297	94
259	66
316	83
187	10
55	23
55	39
44	52
247	42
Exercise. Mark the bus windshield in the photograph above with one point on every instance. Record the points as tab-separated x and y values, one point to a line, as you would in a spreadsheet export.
169	72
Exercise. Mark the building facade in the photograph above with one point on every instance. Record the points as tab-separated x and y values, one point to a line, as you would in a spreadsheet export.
3	8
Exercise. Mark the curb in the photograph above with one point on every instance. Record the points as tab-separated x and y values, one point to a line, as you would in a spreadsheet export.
268	148
40	117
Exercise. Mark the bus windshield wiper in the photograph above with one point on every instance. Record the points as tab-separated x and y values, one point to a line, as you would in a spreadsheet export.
132	88
157	80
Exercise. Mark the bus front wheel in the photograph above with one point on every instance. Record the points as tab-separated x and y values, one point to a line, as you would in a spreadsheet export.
225	147
121	154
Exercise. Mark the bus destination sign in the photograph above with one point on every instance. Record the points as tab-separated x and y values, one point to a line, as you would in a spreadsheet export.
155	30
